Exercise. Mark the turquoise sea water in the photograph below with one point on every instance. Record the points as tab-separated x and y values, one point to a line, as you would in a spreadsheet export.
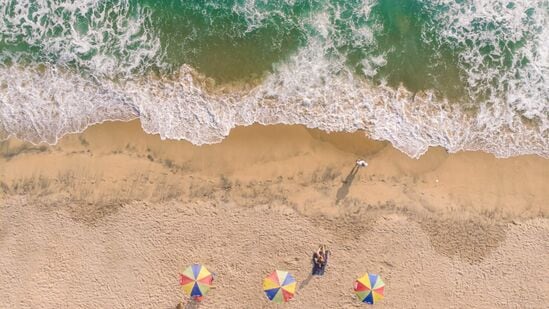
487	57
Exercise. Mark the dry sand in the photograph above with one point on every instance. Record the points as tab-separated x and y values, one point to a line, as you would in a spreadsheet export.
106	218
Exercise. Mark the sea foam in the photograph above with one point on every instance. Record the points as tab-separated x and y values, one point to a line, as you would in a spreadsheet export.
303	90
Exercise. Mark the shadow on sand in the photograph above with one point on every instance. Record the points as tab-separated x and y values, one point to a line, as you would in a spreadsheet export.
305	282
344	189
191	304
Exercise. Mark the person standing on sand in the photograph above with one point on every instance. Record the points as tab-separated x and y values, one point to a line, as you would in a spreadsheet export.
344	189
359	163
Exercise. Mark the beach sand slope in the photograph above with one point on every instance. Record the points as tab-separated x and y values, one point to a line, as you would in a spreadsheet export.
107	218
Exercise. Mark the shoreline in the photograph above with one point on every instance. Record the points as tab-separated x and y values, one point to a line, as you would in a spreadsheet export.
130	209
256	151
185	108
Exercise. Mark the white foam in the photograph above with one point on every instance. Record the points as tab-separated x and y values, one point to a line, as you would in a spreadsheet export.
43	105
302	91
522	86
107	46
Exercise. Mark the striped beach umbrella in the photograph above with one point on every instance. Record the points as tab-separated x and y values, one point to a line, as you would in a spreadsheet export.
369	288
196	280
279	286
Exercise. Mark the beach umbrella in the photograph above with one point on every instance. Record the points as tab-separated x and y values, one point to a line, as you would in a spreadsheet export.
369	288
279	286
196	280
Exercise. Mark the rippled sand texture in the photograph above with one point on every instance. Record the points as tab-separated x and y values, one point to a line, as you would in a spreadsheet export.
106	219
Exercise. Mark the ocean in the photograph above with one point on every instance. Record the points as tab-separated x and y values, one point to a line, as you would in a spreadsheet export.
461	74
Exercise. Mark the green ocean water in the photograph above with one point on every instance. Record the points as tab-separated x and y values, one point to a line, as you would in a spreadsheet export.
235	39
488	57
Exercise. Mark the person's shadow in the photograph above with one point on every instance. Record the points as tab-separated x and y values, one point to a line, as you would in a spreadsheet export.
344	189
305	282
191	304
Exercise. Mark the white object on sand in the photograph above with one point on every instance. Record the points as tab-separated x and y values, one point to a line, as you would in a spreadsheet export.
361	163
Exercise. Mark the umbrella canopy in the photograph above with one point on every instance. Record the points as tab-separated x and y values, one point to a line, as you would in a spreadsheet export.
279	286
369	288
196	280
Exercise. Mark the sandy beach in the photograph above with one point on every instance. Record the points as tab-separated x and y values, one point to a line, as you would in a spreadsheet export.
107	218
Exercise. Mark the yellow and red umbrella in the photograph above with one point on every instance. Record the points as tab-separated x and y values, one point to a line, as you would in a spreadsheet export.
279	286
196	280
369	288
